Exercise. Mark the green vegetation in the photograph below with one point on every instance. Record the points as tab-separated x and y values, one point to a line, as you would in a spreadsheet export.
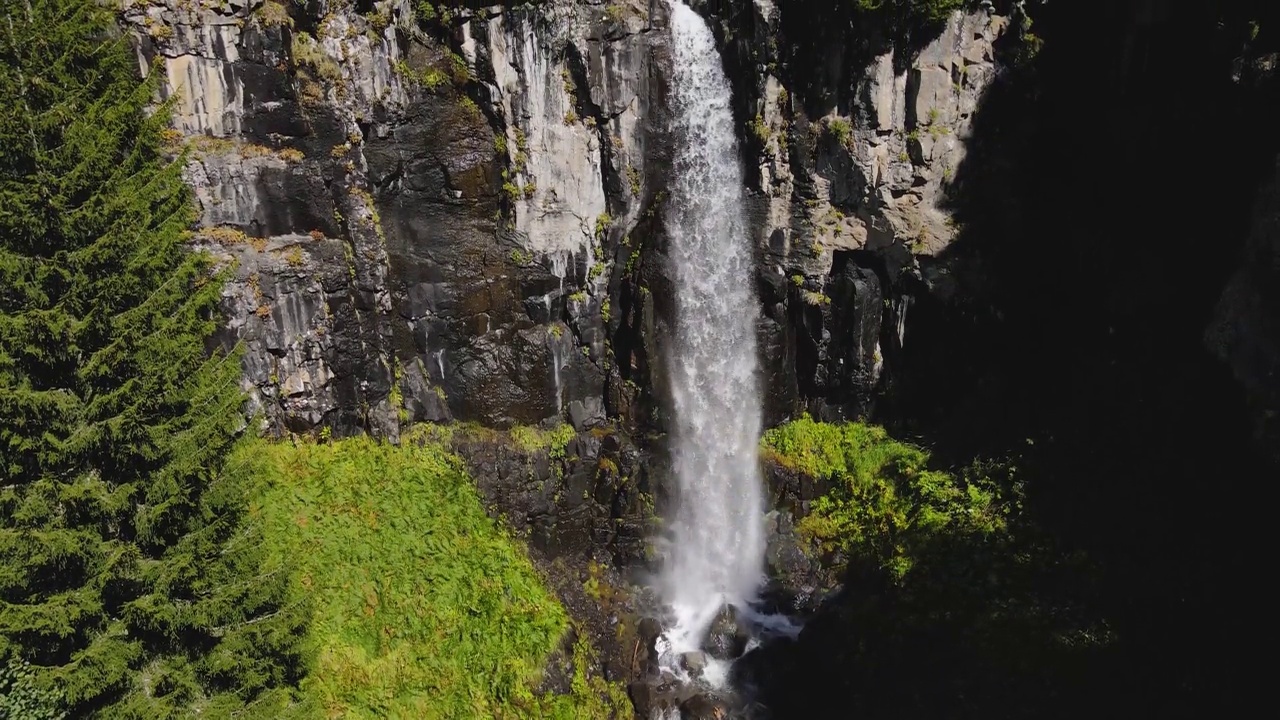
886	505
21	698
904	12
272	13
943	573
633	179
306	51
420	605
534	439
128	576
760	130
616	13
840	129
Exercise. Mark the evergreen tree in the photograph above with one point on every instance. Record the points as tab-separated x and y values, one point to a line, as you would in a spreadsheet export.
128	577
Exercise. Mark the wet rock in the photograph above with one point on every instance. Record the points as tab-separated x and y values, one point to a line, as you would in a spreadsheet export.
727	636
647	633
694	662
794	576
649	702
703	706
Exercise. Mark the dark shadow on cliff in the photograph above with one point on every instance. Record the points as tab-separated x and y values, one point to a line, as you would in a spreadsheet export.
1103	205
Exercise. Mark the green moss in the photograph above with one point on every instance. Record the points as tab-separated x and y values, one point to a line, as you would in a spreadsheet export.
421	606
534	439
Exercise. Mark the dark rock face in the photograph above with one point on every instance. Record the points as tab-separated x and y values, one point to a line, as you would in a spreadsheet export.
1245	330
591	498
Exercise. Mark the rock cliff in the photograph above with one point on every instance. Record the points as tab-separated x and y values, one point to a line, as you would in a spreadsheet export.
452	213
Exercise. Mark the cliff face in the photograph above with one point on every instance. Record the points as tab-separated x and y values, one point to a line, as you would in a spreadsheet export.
457	217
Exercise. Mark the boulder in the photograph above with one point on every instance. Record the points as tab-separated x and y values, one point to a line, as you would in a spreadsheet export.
727	636
694	662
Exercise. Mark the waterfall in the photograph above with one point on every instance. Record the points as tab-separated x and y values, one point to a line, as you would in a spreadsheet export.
718	544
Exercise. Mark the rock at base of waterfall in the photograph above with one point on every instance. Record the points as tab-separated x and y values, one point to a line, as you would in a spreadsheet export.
649	699
647	633
703	706
694	662
727	636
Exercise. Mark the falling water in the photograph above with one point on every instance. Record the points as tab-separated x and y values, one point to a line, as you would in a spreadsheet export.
718	540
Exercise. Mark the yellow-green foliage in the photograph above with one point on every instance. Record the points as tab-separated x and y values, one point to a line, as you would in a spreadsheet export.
422	607
886	506
532	439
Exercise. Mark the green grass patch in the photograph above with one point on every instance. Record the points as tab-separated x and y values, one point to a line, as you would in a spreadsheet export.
421	605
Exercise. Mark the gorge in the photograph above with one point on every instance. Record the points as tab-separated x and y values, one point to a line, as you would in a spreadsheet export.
448	359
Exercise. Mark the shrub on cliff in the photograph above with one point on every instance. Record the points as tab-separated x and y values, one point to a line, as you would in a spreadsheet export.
124	577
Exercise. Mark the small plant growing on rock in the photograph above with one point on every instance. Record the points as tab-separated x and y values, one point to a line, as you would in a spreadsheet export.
500	144
469	107
291	155
814	298
760	130
171	139
458	71
317	235
224	235
570	117
615	13
273	14
840	129
797	280
306	51
633	177
294	256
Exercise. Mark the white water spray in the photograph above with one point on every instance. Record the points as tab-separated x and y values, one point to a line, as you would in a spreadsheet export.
718	534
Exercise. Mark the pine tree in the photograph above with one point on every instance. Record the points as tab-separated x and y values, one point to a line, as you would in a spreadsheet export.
127	578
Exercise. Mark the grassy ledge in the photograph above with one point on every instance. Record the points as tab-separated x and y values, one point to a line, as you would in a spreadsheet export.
421	606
